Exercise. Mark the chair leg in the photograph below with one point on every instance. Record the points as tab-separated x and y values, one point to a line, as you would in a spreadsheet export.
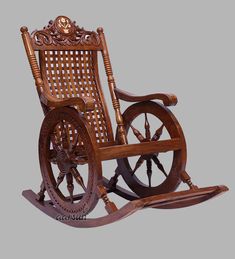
187	179
109	205
41	194
113	181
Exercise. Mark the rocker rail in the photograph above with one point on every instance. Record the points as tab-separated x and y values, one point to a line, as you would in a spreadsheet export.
180	199
121	151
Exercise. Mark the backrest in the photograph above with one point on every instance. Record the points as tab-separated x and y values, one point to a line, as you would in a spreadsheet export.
69	68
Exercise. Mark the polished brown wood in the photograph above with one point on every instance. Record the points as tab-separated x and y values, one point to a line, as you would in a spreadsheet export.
167	99
76	134
112	86
120	151
163	201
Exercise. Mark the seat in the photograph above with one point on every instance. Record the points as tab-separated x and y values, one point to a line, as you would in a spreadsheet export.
76	134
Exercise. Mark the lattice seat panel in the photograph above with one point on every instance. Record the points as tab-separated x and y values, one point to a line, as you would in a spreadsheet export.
72	74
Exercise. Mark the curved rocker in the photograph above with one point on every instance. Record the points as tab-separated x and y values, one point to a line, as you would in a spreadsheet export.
163	201
76	134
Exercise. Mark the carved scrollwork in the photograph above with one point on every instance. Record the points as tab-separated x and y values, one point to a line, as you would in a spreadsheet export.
63	32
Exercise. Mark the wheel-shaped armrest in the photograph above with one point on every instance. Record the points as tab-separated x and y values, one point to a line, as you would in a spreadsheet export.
167	99
84	103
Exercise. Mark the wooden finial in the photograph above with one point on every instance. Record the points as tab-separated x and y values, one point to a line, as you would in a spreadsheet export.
31	57
100	30
23	29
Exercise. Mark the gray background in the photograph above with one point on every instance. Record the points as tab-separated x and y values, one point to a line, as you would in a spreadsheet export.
185	47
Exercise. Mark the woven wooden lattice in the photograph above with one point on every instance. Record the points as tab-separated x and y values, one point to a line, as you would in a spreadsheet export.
71	73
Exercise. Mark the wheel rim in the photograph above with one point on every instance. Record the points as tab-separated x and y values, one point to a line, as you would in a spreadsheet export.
172	127
65	154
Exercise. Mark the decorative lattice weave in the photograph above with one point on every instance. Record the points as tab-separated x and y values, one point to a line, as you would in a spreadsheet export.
71	73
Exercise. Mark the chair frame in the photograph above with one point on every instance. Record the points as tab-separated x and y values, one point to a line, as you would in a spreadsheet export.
64	35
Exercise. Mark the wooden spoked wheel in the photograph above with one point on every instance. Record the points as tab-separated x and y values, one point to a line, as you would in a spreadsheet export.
157	121
69	166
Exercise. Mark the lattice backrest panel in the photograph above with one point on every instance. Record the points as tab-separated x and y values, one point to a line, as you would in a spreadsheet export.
73	73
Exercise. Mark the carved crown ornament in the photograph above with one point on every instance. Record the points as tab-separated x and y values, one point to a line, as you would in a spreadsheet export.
63	32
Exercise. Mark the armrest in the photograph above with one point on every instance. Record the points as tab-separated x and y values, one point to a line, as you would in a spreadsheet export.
167	99
84	103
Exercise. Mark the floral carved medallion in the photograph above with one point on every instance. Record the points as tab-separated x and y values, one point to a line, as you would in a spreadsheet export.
64	25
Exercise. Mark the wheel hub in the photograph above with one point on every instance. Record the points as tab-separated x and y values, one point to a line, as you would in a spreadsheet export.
64	161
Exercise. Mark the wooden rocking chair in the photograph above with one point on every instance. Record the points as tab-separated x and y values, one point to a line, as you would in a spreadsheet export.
76	134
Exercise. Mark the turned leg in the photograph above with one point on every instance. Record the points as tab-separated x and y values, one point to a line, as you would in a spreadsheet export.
113	181
109	205
41	194
187	179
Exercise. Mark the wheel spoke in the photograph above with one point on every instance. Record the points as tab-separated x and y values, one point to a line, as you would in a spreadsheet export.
78	178
149	170
138	164
159	164
64	136
55	144
70	185
139	136
75	142
60	179
147	128
157	133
